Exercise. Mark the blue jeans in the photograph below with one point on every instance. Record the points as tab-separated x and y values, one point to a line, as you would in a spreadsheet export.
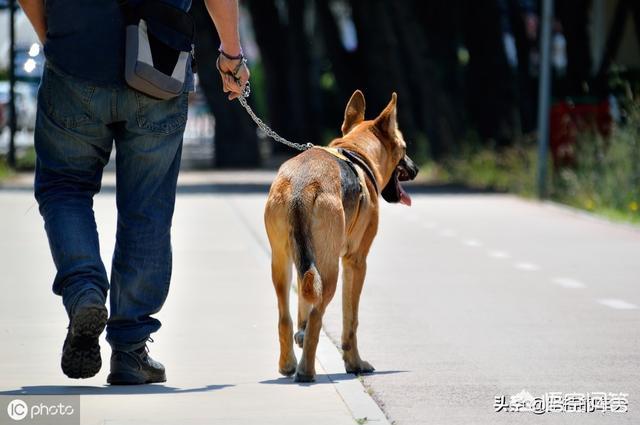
76	126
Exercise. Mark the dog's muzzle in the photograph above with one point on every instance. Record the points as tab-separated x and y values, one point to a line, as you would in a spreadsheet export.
393	192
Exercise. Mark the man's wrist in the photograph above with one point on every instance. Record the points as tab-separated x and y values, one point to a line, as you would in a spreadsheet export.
231	49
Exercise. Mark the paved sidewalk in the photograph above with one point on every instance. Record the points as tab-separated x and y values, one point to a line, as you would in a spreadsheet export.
218	340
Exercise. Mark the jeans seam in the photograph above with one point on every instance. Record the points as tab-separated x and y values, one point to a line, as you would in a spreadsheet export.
167	126
68	121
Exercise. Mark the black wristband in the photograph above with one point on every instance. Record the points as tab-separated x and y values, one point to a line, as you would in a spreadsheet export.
231	57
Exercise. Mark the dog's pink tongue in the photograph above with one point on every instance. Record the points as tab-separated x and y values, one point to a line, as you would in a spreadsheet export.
405	199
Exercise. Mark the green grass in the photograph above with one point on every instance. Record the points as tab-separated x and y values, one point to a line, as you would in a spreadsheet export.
26	161
605	179
5	171
510	169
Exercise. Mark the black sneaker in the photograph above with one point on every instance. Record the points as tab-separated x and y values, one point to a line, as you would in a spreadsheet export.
135	368
81	350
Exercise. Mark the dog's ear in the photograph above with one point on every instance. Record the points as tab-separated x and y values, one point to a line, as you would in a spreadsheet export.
386	121
354	114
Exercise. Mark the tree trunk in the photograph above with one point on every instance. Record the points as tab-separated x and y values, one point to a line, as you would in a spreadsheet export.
490	89
379	62
574	17
236	142
428	31
614	40
270	33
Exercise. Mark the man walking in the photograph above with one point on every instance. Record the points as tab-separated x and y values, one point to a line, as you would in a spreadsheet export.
84	106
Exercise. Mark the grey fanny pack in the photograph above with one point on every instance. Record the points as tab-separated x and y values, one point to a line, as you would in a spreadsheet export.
159	47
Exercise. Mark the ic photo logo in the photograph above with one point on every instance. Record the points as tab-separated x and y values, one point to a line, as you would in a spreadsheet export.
17	410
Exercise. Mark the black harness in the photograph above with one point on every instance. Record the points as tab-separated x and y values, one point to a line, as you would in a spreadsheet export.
354	159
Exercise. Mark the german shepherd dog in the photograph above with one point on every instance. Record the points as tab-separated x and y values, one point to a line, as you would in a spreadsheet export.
323	206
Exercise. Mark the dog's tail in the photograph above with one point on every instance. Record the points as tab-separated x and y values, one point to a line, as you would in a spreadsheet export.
310	283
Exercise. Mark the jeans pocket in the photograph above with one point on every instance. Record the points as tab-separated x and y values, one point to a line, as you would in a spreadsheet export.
161	116
66	100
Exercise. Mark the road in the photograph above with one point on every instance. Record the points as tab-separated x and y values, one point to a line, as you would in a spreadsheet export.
467	297
472	296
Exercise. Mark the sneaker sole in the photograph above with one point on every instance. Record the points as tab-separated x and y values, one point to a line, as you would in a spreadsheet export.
121	378
81	351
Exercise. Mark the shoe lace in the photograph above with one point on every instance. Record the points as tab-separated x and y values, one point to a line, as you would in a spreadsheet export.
146	346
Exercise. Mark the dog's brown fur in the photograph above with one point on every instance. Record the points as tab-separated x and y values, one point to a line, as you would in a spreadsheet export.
310	224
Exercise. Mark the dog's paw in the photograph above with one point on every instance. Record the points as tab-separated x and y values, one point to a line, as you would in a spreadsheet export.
287	372
300	377
359	368
304	373
288	367
299	338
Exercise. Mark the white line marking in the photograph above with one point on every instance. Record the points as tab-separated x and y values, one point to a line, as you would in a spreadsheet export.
523	265
473	243
617	304
567	282
447	233
500	255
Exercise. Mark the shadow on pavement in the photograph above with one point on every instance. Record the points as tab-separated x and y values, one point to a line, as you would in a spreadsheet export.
108	390
327	378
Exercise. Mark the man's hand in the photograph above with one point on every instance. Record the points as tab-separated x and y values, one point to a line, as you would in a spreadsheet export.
234	74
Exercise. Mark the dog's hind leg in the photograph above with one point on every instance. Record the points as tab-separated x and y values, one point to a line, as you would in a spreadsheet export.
326	230
304	307
281	275
354	270
281	262
306	368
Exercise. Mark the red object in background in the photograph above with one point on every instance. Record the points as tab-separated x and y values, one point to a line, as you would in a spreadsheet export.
568	119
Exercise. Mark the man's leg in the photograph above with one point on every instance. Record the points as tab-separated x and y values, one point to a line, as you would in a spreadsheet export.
72	147
148	149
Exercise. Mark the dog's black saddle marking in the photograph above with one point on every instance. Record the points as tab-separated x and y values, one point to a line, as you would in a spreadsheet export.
350	183
355	159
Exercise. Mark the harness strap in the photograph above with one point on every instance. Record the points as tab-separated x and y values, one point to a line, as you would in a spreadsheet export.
353	159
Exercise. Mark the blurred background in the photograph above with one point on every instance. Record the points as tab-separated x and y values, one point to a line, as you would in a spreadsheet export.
466	72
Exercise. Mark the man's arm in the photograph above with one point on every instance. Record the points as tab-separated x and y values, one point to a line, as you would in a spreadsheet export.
224	14
34	9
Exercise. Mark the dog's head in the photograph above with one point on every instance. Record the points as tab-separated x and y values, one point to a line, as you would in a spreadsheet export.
382	142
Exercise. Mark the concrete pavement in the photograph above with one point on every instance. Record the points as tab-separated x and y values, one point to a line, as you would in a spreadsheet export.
218	340
467	297
473	296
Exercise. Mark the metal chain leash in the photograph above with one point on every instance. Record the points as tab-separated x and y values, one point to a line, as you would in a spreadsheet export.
264	127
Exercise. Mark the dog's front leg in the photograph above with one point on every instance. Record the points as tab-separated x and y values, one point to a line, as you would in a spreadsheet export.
354	270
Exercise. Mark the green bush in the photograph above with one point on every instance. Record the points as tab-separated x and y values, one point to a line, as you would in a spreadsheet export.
26	161
5	171
606	177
